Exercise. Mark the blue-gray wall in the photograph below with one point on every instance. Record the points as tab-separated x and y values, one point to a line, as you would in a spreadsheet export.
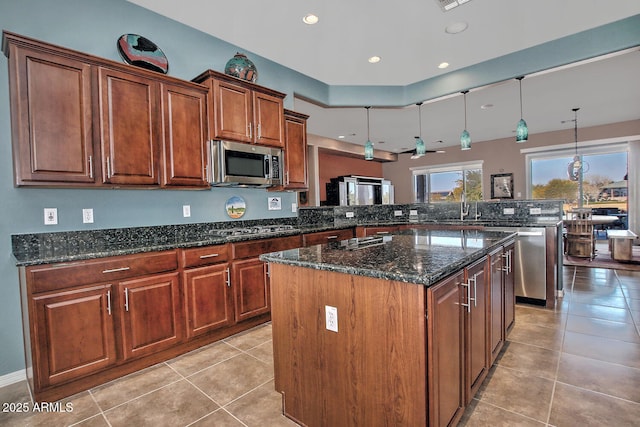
92	26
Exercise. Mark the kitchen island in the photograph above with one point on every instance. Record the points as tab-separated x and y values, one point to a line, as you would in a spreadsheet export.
398	329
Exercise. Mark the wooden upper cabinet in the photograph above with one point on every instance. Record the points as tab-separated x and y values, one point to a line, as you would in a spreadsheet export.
268	116
51	117
130	127
295	151
243	111
184	151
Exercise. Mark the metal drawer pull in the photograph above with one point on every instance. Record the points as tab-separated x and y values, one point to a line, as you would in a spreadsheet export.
468	305
109	302
228	278
126	299
382	232
209	256
331	237
475	292
90	166
115	270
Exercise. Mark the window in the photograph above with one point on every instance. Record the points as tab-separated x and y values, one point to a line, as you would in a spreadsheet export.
447	183
602	185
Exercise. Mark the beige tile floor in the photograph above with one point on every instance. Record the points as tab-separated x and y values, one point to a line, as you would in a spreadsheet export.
578	364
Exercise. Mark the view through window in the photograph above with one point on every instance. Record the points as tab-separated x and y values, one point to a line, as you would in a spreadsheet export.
448	184
602	185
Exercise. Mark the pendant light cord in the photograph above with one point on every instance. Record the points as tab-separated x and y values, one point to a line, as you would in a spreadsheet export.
368	138
520	79
420	119
575	128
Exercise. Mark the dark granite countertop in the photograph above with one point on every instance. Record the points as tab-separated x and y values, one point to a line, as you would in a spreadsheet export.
413	256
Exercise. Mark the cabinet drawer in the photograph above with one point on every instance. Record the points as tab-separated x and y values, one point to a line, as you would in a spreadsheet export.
258	247
51	277
327	236
204	256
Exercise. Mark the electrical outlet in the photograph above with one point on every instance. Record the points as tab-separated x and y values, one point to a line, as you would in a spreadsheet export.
50	216
509	211
350	214
87	216
397	213
294	207
331	318
413	212
535	211
186	211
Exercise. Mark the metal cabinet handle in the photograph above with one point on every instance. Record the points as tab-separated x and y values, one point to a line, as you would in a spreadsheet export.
109	302
475	291
108	167
259	131
250	130
126	299
90	166
209	256
468	305
268	270
115	270
331	237
228	281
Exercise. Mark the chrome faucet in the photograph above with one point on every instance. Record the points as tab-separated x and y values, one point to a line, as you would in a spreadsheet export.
464	208
478	214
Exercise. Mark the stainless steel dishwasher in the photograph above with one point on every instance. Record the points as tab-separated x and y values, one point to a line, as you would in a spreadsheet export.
530	263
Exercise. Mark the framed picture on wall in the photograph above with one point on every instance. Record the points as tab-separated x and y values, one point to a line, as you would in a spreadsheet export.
502	186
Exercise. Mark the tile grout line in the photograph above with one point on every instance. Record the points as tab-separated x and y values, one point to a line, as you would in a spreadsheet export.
564	331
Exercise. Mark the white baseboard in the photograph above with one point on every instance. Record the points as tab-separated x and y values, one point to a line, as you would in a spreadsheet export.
13	377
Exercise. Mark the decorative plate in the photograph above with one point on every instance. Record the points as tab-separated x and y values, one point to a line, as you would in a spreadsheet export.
236	207
142	52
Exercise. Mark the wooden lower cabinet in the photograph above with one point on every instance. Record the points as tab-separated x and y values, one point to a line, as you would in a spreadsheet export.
497	312
321	237
251	288
446	351
150	314
476	330
208	299
73	333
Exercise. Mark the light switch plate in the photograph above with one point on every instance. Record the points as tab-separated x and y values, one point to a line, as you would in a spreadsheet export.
186	211
535	211
397	213
331	318
350	214
294	207
413	212
87	216
50	216
509	211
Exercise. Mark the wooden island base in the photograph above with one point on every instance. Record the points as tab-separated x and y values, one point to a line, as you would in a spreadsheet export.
372	371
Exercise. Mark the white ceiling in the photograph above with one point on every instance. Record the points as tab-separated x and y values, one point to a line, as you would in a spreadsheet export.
409	36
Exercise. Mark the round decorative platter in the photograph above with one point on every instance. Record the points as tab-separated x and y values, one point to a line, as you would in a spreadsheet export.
236	207
142	52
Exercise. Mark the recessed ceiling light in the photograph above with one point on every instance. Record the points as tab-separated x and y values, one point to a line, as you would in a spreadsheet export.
310	19
374	59
486	106
340	136
443	65
456	27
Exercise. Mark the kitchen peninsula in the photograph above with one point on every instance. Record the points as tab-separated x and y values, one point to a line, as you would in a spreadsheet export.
398	329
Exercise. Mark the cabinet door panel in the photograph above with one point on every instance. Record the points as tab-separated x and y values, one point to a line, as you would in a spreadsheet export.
509	290
184	150
496	312
445	353
233	112
251	288
477	330
207	299
130	128
268	116
295	153
75	334
150	314
52	118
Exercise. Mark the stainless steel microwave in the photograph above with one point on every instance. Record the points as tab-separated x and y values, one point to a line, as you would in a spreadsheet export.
236	163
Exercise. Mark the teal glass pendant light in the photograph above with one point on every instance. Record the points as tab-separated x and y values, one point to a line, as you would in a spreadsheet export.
368	146
522	131
420	148
465	138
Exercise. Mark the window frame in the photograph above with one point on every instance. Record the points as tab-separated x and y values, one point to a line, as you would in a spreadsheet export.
448	167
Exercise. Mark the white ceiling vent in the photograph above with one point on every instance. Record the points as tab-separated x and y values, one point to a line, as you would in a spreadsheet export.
446	5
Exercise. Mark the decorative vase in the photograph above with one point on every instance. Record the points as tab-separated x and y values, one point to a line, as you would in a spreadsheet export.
240	66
